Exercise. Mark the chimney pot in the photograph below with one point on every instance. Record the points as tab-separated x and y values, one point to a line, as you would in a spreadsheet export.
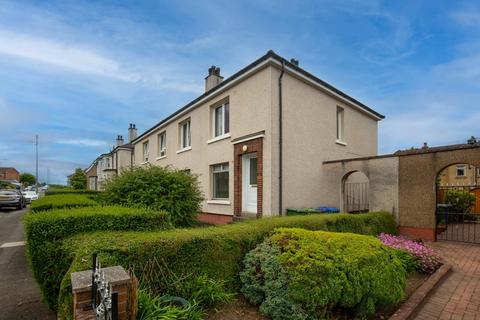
294	61
425	145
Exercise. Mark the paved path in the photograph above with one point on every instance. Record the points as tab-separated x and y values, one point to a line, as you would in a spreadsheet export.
458	296
19	294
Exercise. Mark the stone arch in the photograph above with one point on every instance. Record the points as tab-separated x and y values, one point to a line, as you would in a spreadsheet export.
355	195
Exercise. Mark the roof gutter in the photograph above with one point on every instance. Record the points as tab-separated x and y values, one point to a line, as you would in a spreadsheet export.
280	142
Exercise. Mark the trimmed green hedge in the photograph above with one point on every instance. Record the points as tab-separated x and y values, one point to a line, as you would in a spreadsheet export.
60	201
53	191
168	261
301	274
45	232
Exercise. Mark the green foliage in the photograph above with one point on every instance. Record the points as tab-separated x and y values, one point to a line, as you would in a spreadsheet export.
68	190
176	192
301	274
213	252
61	201
461	201
27	179
78	180
151	307
45	232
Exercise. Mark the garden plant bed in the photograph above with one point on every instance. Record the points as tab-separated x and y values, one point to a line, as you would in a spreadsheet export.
240	309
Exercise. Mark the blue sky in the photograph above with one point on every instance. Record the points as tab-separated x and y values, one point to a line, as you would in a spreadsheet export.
77	73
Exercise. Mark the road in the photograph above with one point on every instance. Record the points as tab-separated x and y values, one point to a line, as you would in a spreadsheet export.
20	296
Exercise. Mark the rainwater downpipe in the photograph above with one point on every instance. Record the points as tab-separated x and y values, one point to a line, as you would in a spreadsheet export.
280	141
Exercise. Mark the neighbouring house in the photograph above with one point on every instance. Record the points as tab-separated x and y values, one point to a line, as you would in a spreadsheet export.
460	175
257	140
9	173
91	173
109	165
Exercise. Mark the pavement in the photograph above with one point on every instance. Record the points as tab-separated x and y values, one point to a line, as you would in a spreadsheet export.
458	296
20	296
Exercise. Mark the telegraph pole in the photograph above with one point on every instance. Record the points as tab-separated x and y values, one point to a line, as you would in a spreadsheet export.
36	163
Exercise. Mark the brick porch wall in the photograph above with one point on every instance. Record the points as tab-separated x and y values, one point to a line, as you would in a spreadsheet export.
213	218
253	146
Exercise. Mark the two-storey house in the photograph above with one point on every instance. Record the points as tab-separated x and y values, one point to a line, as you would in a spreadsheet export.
257	139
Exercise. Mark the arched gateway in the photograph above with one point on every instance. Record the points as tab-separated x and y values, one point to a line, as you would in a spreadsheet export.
405	183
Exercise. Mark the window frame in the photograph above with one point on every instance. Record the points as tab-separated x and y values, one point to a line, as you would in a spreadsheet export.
460	167
145	151
225	119
162	152
187	123
340	124
223	168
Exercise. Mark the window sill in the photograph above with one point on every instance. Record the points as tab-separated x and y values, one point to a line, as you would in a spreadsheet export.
340	142
184	149
160	158
223	202
145	162
223	136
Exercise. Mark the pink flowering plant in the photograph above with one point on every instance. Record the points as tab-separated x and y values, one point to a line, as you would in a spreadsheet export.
426	260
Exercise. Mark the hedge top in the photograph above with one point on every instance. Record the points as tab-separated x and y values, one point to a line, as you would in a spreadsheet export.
66	200
61	223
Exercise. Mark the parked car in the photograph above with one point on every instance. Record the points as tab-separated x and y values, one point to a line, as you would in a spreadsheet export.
12	198
30	196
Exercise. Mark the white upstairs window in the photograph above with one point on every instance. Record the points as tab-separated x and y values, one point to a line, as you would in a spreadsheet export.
162	144
145	151
340	124
185	136
221	119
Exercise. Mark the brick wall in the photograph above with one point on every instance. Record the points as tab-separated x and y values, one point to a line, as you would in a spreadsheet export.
253	146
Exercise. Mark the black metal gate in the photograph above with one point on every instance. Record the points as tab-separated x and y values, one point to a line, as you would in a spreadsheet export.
356	198
454	221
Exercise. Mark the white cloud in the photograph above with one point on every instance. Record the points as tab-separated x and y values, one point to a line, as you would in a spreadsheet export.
63	55
83	142
464	67
467	18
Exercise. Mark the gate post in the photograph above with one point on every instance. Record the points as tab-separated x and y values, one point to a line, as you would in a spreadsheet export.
82	292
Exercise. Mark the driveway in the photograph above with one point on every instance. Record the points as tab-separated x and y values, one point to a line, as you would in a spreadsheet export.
20	296
458	296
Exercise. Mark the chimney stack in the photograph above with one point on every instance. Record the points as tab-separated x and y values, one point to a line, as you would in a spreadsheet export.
213	78
132	132
119	140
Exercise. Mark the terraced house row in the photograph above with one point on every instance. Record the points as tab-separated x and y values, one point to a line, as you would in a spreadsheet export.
256	140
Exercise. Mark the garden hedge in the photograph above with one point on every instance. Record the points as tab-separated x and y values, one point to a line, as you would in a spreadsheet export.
300	274
54	191
45	231
167	261
60	201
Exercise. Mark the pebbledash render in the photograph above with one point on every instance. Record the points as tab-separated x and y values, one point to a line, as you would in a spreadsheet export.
257	140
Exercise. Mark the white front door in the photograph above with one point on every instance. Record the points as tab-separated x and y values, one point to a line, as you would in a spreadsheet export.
249	183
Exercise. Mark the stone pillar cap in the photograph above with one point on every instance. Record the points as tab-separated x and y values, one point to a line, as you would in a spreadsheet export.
82	281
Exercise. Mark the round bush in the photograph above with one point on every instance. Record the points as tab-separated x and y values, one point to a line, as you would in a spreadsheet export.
174	191
301	274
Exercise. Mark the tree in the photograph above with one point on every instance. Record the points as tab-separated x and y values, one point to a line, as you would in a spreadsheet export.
78	180
27	179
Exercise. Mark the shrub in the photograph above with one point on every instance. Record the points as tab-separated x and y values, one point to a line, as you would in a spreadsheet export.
461	201
182	255
61	201
301	274
176	192
427	260
45	232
